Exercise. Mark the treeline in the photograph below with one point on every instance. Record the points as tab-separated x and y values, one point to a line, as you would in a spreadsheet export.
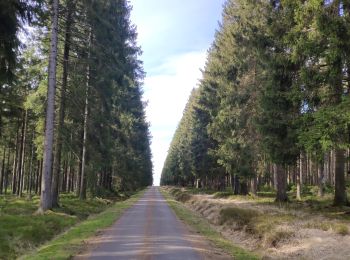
71	114
273	107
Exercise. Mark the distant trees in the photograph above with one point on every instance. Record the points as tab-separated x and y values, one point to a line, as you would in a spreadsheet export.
273	104
99	134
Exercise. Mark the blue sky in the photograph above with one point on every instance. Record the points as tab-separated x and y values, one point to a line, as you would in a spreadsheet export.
174	36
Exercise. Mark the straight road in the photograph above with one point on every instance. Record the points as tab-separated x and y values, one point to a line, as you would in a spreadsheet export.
148	230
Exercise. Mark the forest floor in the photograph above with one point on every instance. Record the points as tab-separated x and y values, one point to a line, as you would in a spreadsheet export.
22	230
307	229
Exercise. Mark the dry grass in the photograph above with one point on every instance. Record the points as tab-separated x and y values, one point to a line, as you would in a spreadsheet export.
180	194
266	228
307	229
341	229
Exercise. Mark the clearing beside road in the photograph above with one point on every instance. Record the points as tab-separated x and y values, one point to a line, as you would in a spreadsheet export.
304	230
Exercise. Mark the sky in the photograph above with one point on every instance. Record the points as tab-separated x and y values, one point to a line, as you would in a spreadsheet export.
174	36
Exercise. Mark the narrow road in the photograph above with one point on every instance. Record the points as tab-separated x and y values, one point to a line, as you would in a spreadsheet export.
147	230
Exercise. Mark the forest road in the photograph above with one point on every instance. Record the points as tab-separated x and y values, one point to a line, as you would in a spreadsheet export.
149	230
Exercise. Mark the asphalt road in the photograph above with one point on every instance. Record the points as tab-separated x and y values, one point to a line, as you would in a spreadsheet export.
147	230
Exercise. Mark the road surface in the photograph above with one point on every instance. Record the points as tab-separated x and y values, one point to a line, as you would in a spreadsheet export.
148	230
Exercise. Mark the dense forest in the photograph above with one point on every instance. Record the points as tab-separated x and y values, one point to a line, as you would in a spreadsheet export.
71	112
273	106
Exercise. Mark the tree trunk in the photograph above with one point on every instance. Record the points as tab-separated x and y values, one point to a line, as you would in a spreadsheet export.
299	176
253	186
23	153
15	160
30	177
236	185
340	197
275	178
326	167
331	167
46	195
281	195
244	188
7	171
82	194
2	171
37	178
320	175
64	175
61	112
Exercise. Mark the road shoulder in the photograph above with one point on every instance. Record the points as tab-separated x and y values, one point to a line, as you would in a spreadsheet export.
214	245
76	239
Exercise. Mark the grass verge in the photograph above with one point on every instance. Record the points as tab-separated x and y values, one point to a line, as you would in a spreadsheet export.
21	230
71	242
203	227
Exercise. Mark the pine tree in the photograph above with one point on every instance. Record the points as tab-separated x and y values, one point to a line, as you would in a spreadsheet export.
46	195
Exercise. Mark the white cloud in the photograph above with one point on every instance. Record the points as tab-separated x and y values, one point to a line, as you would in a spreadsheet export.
167	91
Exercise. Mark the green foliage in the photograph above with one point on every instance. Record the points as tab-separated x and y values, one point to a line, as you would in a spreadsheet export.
97	50
275	86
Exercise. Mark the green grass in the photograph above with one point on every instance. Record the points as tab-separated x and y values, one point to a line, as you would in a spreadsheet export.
22	230
71	242
202	226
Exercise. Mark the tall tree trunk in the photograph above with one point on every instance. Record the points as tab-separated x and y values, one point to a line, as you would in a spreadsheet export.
320	175
281	195
243	187
298	177
82	194
23	151
30	177
61	112
2	171
46	195
7	171
236	186
15	161
253	185
73	177
38	177
340	197
275	177
65	177
20	156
